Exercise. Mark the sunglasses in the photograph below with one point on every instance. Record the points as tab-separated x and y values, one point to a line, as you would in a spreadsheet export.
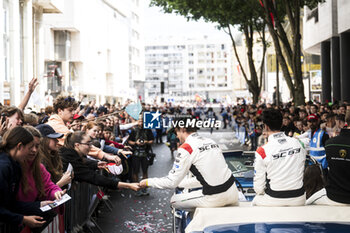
69	99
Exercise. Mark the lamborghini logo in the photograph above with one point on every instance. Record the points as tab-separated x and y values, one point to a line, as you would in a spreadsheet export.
342	153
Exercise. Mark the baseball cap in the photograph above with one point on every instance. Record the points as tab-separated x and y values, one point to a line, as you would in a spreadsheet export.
312	117
77	116
48	132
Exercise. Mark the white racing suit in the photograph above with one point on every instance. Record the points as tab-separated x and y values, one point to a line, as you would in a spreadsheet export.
279	171
204	159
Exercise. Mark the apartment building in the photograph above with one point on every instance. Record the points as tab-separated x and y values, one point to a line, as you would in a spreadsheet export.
183	69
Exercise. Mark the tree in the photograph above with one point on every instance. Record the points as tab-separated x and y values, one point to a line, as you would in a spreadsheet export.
288	50
228	13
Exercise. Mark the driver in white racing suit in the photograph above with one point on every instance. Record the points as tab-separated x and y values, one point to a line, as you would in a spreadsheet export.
204	159
279	166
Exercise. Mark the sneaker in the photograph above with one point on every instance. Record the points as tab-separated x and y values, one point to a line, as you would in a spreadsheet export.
144	192
138	193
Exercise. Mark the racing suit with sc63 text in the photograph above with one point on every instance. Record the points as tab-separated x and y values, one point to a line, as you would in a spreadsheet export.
203	158
279	169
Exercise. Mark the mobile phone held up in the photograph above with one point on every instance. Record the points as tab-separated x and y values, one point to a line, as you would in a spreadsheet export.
3	117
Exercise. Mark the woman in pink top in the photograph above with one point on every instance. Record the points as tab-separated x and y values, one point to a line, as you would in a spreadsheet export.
36	182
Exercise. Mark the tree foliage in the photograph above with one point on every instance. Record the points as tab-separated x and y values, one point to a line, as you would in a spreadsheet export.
247	15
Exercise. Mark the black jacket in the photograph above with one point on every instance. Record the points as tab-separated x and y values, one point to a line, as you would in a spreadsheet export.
12	211
338	158
85	169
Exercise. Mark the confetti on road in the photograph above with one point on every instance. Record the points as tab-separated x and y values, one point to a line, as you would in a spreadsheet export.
146	214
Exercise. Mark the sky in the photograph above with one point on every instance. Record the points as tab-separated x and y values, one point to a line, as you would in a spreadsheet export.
157	24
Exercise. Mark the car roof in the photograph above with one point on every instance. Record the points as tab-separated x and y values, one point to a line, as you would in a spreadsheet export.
245	213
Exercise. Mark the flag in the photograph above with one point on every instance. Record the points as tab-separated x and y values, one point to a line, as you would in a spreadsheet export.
271	15
134	110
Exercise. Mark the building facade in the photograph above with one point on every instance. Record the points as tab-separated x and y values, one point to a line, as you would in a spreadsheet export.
20	26
76	47
136	43
327	32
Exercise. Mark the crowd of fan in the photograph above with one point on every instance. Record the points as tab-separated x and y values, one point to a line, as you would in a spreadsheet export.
37	147
246	120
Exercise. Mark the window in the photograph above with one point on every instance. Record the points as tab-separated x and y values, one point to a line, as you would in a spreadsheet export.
54	77
62	45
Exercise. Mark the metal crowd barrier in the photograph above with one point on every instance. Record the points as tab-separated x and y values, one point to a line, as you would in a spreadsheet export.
77	212
4	228
80	208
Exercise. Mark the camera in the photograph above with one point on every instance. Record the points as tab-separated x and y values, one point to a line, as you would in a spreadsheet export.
142	141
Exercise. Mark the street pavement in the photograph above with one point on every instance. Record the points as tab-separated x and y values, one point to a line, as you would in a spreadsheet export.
152	213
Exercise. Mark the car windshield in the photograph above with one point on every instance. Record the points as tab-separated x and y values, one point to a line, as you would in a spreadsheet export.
237	165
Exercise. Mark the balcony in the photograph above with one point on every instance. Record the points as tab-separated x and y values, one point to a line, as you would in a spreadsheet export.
50	6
